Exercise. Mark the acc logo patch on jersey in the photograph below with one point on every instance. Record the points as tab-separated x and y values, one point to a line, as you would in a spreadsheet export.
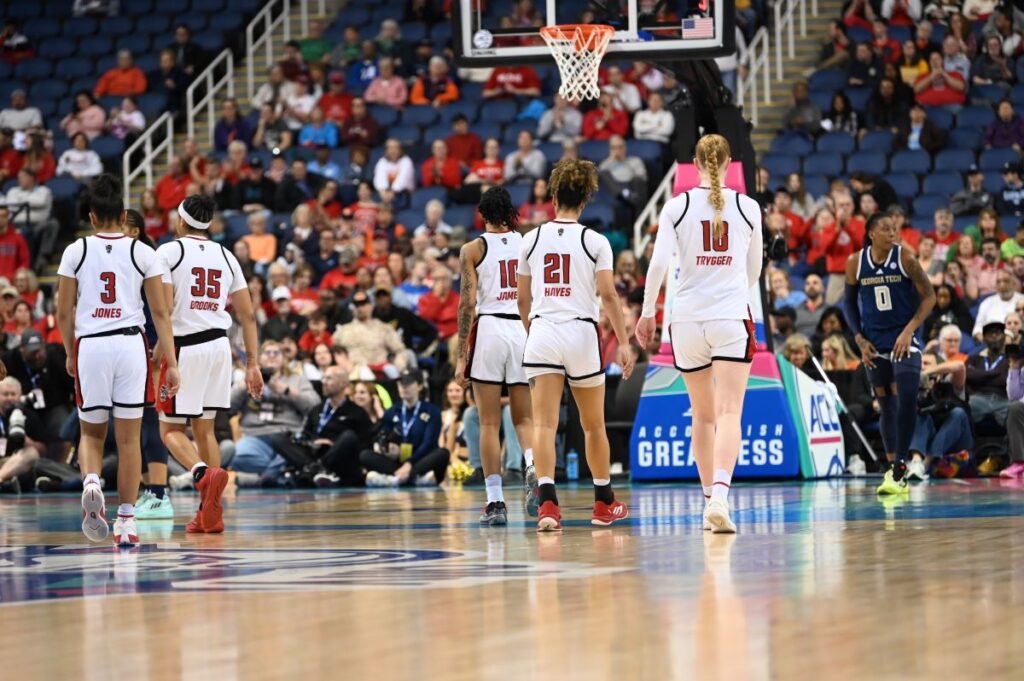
424	417
109	248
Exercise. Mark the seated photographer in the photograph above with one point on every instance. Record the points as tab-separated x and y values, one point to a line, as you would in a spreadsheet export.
44	381
943	426
986	377
327	448
286	399
21	437
406	451
1015	413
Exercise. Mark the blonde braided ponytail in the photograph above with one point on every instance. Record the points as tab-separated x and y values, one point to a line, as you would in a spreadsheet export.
712	152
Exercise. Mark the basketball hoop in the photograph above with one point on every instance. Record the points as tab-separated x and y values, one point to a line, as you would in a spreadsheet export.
578	49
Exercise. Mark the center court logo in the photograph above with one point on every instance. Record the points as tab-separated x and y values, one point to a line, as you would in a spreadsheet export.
35	573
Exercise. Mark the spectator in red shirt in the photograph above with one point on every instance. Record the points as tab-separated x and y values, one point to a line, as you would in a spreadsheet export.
784	205
839	240
124	80
489	170
359	128
316	333
13	249
365	209
336	103
512	81
344	275
440	307
173	187
10	159
605	120
885	48
943	235
463	144
940	87
440	170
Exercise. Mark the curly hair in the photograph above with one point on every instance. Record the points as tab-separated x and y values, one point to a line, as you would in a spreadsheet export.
497	209
573	182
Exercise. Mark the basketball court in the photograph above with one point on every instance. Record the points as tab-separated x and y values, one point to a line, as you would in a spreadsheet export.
823	582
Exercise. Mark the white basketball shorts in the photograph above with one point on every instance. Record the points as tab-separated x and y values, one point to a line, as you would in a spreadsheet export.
496	351
572	348
695	345
112	375
205	388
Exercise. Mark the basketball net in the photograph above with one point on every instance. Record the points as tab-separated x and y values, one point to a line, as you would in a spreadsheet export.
578	49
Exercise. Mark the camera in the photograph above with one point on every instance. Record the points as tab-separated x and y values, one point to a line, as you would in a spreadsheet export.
941	399
266	374
1013	352
15	430
775	247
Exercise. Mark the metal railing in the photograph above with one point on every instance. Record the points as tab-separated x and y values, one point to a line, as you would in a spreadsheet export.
259	34
649	215
152	148
210	85
755	63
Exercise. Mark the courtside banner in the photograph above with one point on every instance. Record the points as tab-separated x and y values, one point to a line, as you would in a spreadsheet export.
822	454
660	446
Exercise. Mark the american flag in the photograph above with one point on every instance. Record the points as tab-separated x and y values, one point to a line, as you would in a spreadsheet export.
697	28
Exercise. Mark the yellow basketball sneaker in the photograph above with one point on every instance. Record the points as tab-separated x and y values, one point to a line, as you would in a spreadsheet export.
892	485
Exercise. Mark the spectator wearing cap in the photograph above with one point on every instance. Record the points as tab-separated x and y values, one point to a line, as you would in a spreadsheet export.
1006	130
440	307
363	70
32	206
1010	199
231	127
436	88
987	375
394	173
464	145
318	131
916	132
41	372
563	122
336	103
297	187
996	307
940	87
10	160
416	333
14	254
388	88
440	170
125	79
506	82
410	430
973	197
360	129
371	342
323	166
254	191
285	322
783	324
19	115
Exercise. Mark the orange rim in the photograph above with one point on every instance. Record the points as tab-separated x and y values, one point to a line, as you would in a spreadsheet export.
581	32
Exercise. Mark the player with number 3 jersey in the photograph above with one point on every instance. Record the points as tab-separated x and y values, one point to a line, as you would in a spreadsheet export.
716	233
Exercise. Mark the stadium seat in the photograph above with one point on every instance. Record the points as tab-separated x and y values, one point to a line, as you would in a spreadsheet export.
986	93
927	204
23	10
780	165
825	163
153	23
859	97
107	147
356	16
421	197
227	22
466	108
900	33
594	150
6	70
33	69
993	181
136	43
471	92
822	99
73	67
877	140
47	89
520	193
828	80
152	105
512	130
501	111
903	183
838	142
963	222
943	183
88	84
994	159
816	185
207	6
406	134
138	7
57	49
435	132
599	216
413	32
975	117
421	116
172	7
954	160
486	130
1017	95
63	188
79	27
119	25
441	33
195	22
95	46
791	144
940	117
47	106
211	41
917	162
460	216
42	27
965	138
552	150
866	162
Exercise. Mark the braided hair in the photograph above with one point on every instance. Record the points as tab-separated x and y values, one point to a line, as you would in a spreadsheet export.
712	154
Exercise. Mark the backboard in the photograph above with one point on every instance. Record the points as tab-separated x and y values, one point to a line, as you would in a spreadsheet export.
506	32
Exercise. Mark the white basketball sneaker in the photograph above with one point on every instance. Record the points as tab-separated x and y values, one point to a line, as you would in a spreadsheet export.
126	532
718	517
707	525
94	514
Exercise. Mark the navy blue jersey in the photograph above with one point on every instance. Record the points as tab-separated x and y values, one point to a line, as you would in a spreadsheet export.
888	299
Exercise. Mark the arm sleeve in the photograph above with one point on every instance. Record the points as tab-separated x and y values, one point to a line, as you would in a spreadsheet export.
850	309
755	253
661	260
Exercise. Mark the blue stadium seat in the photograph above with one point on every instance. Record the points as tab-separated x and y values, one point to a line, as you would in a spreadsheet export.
207	6
104	64
211	41
940	117
63	188
828	80
1017	95
460	216
6	70
441	33
23	10
419	198
900	33
866	162
148	62
816	185
88	84
917	162
780	165
73	67
975	117
110	101
954	160
47	89
648	151
552	150
825	163
153	23
413	32
79	27
792	144
47	106
42	27
599	216
471	92
938	33
595	150
512	130
227	22
57	49
986	93
859	97
994	159
519	193
136	43
943	183
7	87
357	16
965	138
96	46
406	134
435	132
152	105
412	218
993	181
821	98
246	6
422	116
877	140
138	8
195	22
838	142
237	226
499	111
927	204
33	69
172	7
107	147
859	34
119	25
487	130
963	222
385	116
469	109
904	184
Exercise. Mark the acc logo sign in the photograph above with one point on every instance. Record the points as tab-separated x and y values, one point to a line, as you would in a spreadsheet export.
35	573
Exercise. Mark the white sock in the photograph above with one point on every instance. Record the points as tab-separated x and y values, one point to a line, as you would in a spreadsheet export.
493	484
545	481
126	510
720	490
91	479
707	492
601	482
528	457
201	464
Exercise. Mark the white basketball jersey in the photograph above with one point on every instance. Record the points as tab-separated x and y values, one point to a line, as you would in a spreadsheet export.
714	272
204	275
497	274
110	269
563	259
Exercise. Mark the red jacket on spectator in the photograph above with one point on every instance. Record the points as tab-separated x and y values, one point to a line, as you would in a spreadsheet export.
120	82
337	107
465	148
308	342
618	124
444	314
836	244
942	95
491	172
448	175
170	191
889	50
337	278
13	252
510	80
10	163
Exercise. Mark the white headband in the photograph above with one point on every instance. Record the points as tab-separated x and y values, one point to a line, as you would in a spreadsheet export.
189	220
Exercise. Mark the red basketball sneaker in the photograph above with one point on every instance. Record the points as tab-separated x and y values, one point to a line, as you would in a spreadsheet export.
606	514
210	487
195	526
549	517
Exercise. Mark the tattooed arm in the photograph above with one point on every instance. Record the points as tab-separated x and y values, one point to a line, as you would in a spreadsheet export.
469	258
